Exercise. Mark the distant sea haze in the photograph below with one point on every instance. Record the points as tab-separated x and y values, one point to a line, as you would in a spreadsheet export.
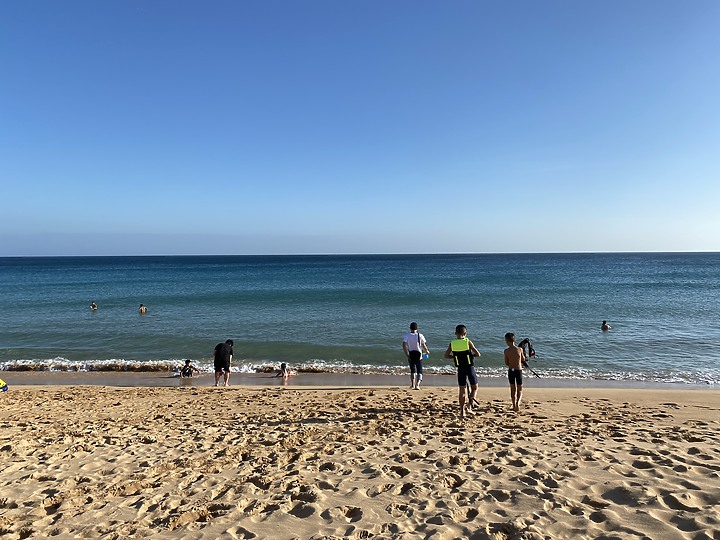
349	313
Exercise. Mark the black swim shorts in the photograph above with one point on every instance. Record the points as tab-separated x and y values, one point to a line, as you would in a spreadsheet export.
466	374
515	376
222	366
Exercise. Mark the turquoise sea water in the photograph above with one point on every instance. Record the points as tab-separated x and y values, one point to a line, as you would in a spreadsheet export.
348	313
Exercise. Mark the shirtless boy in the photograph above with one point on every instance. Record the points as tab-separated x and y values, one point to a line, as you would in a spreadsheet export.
514	357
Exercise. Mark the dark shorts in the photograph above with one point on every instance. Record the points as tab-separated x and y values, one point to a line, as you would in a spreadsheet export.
221	367
466	374
415	362
515	376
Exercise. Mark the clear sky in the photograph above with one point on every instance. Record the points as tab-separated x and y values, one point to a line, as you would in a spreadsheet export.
326	126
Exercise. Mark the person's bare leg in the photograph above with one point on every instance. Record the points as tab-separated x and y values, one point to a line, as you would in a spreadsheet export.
461	398
473	394
519	397
217	378
512	395
412	381
418	379
227	378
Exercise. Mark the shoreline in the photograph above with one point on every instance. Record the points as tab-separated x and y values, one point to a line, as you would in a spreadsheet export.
314	380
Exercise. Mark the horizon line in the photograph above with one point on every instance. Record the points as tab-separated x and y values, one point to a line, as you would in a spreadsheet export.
366	254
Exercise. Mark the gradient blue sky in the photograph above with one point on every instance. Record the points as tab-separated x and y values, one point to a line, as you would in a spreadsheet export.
231	127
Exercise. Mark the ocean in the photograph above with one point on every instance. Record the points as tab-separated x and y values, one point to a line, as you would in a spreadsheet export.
349	313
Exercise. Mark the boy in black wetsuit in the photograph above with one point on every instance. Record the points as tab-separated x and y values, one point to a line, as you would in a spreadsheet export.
463	351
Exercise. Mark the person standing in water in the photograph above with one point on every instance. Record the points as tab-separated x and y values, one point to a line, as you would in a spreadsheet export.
222	358
413	344
605	326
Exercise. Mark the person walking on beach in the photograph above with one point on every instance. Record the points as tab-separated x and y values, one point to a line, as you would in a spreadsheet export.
462	351
514	358
222	358
413	343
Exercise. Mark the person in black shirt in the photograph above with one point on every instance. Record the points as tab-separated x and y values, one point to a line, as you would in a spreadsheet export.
223	357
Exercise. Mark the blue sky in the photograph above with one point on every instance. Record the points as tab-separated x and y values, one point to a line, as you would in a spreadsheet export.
313	126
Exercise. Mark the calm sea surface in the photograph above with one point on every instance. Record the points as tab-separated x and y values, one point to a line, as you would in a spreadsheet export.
349	313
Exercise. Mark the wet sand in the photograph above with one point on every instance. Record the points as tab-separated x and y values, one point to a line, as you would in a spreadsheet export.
359	462
320	380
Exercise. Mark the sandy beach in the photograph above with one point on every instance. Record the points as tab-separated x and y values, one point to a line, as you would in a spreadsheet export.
384	462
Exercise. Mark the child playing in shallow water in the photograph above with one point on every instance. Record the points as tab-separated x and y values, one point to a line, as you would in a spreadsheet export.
284	372
187	370
514	358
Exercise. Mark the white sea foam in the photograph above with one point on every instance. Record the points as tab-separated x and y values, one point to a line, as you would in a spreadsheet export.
173	365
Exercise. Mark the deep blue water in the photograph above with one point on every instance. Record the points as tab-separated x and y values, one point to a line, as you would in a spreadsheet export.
338	313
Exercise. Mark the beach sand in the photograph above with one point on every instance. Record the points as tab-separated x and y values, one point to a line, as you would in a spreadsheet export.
385	462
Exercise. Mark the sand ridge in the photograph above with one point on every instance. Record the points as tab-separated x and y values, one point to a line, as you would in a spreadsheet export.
102	462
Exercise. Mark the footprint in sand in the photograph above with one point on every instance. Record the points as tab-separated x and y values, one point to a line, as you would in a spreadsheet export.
594	502
241	533
452	481
672	502
306	494
396	471
399	510
499	495
597	517
493	469
621	495
374	491
405	489
302	511
351	514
